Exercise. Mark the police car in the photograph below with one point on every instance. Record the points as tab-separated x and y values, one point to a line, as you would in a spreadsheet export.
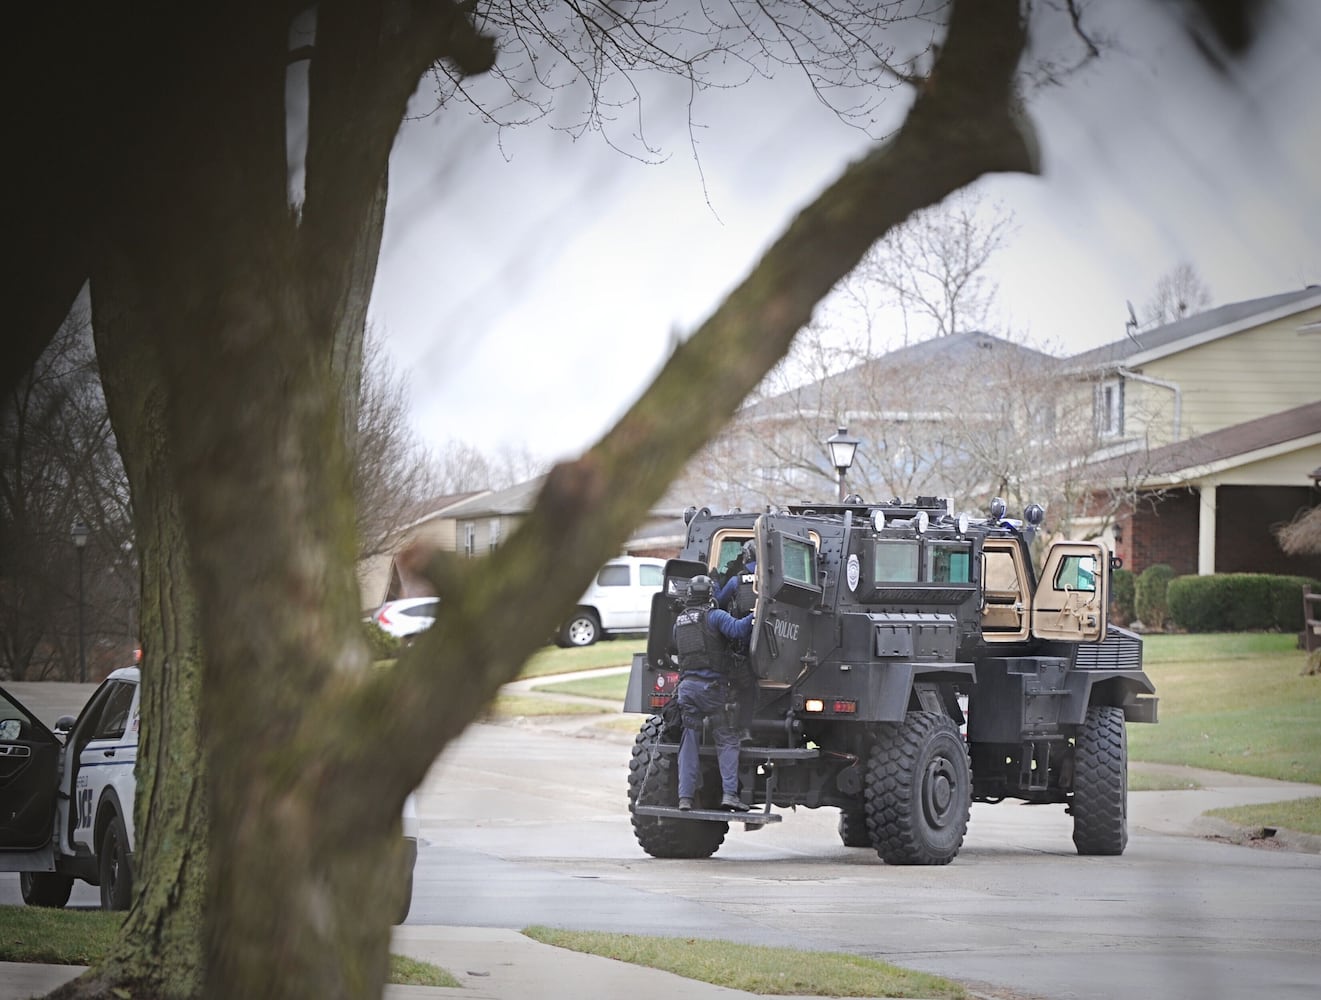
66	797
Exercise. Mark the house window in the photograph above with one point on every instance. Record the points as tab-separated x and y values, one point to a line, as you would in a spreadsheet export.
1110	408
470	539
495	535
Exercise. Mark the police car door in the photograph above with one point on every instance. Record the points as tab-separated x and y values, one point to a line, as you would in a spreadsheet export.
1073	593
29	764
106	761
788	588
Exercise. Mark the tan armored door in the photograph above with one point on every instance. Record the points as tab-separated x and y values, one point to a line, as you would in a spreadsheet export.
1073	593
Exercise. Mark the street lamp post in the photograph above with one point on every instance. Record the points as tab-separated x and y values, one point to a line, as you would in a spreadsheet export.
842	448
79	533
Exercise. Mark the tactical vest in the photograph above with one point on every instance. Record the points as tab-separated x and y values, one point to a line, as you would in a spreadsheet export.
699	648
745	598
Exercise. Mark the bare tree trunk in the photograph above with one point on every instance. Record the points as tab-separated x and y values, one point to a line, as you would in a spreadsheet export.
309	751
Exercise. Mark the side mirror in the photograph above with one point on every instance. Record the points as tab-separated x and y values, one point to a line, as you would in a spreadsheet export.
64	724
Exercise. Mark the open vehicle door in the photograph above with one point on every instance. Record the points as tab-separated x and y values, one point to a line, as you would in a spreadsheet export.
788	587
1073	593
29	770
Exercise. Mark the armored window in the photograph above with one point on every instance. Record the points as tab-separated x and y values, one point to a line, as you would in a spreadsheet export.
799	561
896	562
949	563
1077	573
613	576
650	576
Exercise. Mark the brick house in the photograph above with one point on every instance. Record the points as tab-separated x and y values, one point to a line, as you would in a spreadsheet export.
1216	421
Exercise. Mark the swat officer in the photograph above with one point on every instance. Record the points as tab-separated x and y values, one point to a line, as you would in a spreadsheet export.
703	636
736	595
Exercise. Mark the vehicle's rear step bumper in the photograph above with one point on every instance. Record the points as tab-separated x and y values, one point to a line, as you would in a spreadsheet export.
711	815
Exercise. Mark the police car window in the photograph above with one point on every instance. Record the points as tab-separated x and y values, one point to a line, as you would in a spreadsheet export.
949	563
650	576
613	576
1077	573
896	562
114	720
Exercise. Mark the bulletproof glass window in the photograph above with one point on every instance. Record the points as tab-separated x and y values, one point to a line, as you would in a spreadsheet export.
650	576
730	547
613	576
895	562
114	719
949	563
799	559
1077	573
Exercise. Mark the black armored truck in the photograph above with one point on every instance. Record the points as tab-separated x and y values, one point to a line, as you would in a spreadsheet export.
905	662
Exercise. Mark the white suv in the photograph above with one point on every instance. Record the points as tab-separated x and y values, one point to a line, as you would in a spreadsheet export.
68	806
619	600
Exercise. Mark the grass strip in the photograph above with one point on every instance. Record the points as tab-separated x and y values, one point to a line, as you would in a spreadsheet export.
757	969
48	936
611	687
607	653
1299	815
510	706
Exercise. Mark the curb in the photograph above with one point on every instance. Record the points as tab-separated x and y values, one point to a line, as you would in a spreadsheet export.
1268	838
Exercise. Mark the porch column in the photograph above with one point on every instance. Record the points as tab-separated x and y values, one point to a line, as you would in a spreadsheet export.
1206	531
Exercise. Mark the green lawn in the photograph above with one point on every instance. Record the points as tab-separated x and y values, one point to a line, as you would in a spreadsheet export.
610	687
1232	703
607	653
754	969
83	937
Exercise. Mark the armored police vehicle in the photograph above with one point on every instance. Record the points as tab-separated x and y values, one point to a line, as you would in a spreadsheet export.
905	662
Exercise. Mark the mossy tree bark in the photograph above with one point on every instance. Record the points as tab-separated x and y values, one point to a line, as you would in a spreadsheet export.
246	320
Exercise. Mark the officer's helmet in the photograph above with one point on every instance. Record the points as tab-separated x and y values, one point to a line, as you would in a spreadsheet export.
700	590
749	552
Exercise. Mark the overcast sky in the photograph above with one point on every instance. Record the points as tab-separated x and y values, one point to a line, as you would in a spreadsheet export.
531	290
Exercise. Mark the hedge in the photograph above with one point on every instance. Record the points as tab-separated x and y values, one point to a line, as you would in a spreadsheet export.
1123	588
1149	599
1238	602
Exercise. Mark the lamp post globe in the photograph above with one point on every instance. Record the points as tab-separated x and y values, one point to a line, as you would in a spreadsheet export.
842	448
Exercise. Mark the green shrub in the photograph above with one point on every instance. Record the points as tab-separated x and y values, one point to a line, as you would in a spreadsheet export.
1149	596
1122	586
1237	602
381	645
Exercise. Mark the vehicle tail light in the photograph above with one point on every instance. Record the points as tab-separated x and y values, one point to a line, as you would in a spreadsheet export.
665	686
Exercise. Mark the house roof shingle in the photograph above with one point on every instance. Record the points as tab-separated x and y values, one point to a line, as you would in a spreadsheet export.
1213	323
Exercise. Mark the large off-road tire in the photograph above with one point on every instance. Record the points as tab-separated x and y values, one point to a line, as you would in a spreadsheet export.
1100	783
918	790
853	828
582	629
116	866
45	888
653	779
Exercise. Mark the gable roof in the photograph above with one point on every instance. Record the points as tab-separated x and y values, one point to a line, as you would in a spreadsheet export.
1192	331
439	507
516	499
955	351
1226	447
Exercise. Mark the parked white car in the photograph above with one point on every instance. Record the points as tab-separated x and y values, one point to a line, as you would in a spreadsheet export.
618	601
407	616
66	797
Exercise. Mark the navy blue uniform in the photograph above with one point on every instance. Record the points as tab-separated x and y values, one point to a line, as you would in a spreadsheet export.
703	637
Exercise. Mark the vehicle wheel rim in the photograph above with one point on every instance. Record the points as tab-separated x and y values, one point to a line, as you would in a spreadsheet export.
938	792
